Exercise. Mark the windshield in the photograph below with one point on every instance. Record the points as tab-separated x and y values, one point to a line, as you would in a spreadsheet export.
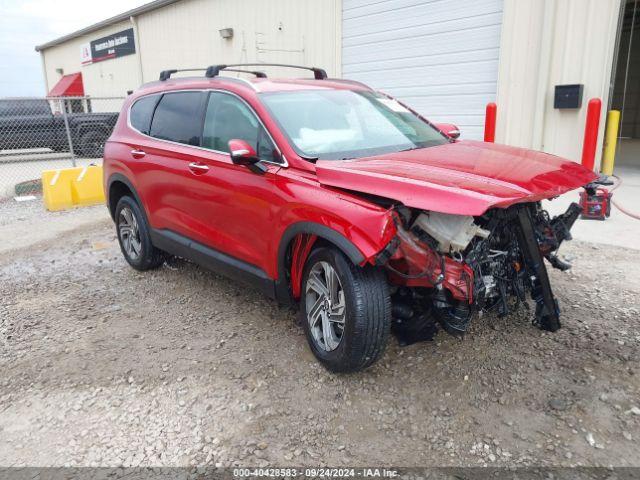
344	124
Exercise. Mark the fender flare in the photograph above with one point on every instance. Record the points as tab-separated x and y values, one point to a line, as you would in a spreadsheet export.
347	247
118	177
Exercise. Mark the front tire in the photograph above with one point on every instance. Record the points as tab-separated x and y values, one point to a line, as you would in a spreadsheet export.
346	311
134	236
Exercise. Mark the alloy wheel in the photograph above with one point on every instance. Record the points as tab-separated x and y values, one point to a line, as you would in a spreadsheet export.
325	306
129	233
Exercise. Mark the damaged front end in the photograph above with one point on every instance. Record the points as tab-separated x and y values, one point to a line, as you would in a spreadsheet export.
447	267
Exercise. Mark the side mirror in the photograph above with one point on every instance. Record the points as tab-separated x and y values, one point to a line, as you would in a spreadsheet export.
242	153
449	129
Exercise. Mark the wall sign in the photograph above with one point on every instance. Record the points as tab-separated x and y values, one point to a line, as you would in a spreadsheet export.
105	48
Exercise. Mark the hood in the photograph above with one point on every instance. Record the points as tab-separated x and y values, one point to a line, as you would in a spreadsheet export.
464	178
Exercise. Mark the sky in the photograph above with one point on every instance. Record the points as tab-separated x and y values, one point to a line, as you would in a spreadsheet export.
27	23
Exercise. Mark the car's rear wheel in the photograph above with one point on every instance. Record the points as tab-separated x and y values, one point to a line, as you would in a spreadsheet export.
346	311
134	236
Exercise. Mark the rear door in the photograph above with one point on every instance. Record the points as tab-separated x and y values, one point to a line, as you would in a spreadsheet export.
160	156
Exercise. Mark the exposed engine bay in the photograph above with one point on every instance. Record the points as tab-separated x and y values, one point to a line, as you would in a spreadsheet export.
446	267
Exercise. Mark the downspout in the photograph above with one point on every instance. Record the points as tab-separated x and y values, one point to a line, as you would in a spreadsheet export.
44	72
338	38
134	24
544	66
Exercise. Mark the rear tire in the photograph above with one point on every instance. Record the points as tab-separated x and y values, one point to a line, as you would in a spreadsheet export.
361	339
134	236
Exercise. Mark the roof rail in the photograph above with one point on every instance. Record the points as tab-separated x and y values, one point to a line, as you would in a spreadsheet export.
166	74
214	70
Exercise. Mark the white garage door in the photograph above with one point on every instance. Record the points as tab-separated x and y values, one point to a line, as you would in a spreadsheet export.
438	56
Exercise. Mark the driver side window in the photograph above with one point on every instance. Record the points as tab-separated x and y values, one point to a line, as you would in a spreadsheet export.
229	118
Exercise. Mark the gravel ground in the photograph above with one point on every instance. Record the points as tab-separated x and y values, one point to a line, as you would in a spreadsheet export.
24	224
102	365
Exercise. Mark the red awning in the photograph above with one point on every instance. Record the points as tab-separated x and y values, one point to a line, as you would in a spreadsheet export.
68	86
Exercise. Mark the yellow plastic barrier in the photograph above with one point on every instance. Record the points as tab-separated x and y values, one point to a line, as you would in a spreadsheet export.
72	187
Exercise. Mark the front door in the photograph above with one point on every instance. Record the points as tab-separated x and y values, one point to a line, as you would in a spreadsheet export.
232	208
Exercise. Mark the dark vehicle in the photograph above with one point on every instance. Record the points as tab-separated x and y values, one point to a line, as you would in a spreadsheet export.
30	123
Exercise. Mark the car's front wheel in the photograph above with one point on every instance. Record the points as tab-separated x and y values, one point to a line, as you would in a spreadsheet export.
134	236
346	310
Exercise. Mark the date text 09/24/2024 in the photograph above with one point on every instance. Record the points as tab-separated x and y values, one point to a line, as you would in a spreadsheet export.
320	472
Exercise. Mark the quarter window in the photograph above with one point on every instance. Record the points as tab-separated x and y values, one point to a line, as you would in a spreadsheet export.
229	118
178	118
141	113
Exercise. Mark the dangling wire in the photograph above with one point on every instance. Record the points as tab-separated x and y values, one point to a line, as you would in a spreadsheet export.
617	205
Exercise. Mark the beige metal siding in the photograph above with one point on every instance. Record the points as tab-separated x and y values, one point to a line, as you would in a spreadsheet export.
546	43
186	34
107	78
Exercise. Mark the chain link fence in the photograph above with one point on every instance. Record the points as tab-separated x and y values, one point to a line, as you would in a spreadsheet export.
47	133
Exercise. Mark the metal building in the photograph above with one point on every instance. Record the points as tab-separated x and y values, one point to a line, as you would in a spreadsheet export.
447	58
120	53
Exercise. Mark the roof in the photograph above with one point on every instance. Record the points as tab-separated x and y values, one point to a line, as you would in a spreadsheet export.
259	85
288	84
147	7
68	86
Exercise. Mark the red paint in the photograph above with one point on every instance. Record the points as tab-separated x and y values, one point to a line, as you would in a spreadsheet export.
597	205
416	265
245	214
68	86
465	177
241	149
449	129
300	250
490	122
591	133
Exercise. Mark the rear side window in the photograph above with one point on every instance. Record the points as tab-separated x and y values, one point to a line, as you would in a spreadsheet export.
178	117
141	113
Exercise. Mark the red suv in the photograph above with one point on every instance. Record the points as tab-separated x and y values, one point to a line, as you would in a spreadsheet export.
328	194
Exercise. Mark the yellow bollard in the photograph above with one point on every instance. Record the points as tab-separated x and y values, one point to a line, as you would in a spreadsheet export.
610	142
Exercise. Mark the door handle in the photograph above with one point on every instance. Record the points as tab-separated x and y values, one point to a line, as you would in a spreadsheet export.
137	153
198	168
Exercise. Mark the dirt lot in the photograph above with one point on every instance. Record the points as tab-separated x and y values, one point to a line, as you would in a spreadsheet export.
102	365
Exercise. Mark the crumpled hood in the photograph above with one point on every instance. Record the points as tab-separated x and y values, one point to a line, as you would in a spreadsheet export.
465	177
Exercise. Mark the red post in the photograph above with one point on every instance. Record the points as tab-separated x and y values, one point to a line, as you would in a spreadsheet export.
591	133
490	122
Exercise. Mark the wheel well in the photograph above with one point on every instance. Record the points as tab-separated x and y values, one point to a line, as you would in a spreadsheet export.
297	250
117	190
